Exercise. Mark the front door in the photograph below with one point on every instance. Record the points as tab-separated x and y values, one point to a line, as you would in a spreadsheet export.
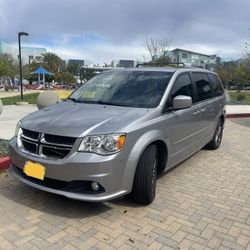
183	126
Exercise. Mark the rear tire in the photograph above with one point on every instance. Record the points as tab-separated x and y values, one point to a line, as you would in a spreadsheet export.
217	138
145	176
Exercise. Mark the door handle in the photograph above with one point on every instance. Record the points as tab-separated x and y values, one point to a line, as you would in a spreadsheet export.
196	112
203	110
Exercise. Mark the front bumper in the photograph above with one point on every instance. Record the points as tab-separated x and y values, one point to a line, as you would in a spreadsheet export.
72	195
111	172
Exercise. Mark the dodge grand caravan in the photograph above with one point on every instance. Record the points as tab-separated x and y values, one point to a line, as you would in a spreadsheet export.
120	130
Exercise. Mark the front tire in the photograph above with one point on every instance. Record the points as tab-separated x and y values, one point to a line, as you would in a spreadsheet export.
144	187
217	138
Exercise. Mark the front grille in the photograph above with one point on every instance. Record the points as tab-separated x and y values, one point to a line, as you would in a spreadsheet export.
46	145
59	139
29	146
31	134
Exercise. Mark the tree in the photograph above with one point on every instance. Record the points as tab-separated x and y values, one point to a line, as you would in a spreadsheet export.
163	60
157	47
28	68
106	65
227	72
87	73
65	77
243	72
53	62
73	68
8	67
235	73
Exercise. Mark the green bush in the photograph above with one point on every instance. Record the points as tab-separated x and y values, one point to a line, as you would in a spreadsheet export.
241	96
4	145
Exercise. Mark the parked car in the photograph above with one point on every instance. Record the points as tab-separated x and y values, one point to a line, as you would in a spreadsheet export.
119	131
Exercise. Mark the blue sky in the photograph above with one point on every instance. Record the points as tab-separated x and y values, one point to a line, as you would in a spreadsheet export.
100	31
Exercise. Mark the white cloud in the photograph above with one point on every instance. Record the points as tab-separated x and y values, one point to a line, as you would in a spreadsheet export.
100	53
102	30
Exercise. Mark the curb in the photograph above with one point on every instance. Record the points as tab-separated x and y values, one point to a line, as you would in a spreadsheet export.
5	162
240	115
22	103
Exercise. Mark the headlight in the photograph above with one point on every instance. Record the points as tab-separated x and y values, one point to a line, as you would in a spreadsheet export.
18	133
18	126
103	144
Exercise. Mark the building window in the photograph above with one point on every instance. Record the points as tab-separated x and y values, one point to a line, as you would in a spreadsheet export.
184	55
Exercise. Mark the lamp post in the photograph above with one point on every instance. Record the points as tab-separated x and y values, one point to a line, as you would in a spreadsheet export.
20	60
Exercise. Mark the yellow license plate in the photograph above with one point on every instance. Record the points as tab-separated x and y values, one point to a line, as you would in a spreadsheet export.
35	170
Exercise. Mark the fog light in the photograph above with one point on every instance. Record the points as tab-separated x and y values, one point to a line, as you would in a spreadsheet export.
95	186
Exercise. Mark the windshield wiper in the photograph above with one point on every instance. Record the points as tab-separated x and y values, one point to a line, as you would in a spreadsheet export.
72	99
113	103
99	102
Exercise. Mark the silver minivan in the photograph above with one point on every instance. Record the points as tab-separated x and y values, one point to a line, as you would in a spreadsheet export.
115	134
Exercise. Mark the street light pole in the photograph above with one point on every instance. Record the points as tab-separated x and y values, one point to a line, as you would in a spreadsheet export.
20	61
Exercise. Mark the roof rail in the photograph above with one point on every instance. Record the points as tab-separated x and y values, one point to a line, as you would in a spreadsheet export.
159	64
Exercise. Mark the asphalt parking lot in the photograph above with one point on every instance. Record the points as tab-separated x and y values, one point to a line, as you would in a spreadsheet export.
204	203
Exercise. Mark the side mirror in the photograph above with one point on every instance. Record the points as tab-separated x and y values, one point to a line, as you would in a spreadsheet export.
182	102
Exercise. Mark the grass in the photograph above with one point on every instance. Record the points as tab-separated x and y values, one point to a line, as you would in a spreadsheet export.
234	94
4	145
30	98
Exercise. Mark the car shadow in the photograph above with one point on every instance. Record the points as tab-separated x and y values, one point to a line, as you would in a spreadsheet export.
53	204
24	195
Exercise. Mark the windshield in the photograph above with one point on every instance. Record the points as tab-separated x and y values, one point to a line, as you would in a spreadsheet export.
143	89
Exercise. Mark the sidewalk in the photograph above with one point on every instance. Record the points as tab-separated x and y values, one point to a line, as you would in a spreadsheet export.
10	116
238	109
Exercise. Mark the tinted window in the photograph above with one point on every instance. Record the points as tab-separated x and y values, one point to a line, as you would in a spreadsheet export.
204	89
124	88
182	86
216	85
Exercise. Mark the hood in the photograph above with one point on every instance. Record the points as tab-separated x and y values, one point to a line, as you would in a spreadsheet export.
80	119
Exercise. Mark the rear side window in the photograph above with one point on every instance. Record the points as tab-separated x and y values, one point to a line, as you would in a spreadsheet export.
203	86
216	85
182	86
